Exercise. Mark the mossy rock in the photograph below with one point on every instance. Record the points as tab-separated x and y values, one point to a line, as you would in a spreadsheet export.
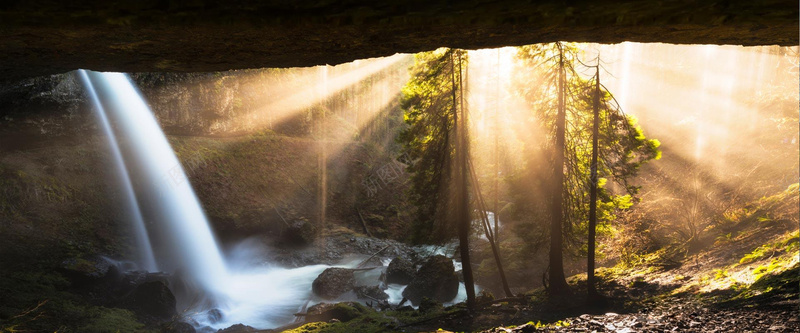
342	312
428	305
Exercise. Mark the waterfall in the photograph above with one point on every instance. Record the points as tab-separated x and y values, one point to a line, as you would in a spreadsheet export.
146	260
177	237
159	192
166	198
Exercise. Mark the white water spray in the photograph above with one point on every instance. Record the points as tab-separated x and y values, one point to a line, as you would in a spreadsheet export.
262	297
242	290
164	192
146	258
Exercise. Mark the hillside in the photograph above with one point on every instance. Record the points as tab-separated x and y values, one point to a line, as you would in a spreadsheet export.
746	281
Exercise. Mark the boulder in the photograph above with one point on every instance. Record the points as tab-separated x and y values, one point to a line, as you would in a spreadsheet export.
343	312
436	279
371	292
333	282
238	328
400	271
214	316
90	271
153	299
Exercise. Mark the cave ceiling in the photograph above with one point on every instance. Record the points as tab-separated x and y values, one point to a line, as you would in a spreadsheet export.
46	37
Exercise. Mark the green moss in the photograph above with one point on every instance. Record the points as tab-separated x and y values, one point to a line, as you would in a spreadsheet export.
102	320
789	243
310	328
785	284
774	266
34	299
721	274
368	320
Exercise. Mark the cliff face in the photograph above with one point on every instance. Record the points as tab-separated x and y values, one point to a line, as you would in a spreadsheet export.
253	175
207	104
46	37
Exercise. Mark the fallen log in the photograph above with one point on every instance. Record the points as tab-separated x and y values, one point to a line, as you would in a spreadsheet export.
373	256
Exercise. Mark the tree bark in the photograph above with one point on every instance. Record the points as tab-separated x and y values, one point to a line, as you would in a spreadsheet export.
322	161
590	278
490	235
558	283
462	209
497	153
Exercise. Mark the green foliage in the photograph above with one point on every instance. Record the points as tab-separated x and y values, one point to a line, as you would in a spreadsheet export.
428	140
623	147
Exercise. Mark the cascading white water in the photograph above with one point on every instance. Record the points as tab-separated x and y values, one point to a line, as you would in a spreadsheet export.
262	297
146	258
168	199
245	292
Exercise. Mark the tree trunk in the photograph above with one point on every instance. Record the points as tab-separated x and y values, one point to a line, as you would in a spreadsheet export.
558	283
322	159
462	209
590	278
497	154
491	236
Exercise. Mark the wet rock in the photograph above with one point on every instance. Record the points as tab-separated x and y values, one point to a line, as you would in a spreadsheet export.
238	328
152	299
400	271
371	292
214	315
337	247
87	271
333	282
319	312
435	279
178	327
343	312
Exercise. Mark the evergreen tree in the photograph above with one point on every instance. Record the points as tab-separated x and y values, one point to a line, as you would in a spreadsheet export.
429	142
436	141
562	102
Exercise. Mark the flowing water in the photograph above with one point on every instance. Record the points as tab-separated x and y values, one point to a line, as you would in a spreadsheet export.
182	238
166	199
174	234
146	258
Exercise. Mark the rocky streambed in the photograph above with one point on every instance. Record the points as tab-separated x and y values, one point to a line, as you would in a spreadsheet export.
681	316
357	271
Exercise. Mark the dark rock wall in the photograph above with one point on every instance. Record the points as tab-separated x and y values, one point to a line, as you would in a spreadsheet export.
217	103
45	37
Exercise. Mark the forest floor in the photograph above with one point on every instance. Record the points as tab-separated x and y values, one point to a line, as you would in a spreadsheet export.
745	279
637	300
